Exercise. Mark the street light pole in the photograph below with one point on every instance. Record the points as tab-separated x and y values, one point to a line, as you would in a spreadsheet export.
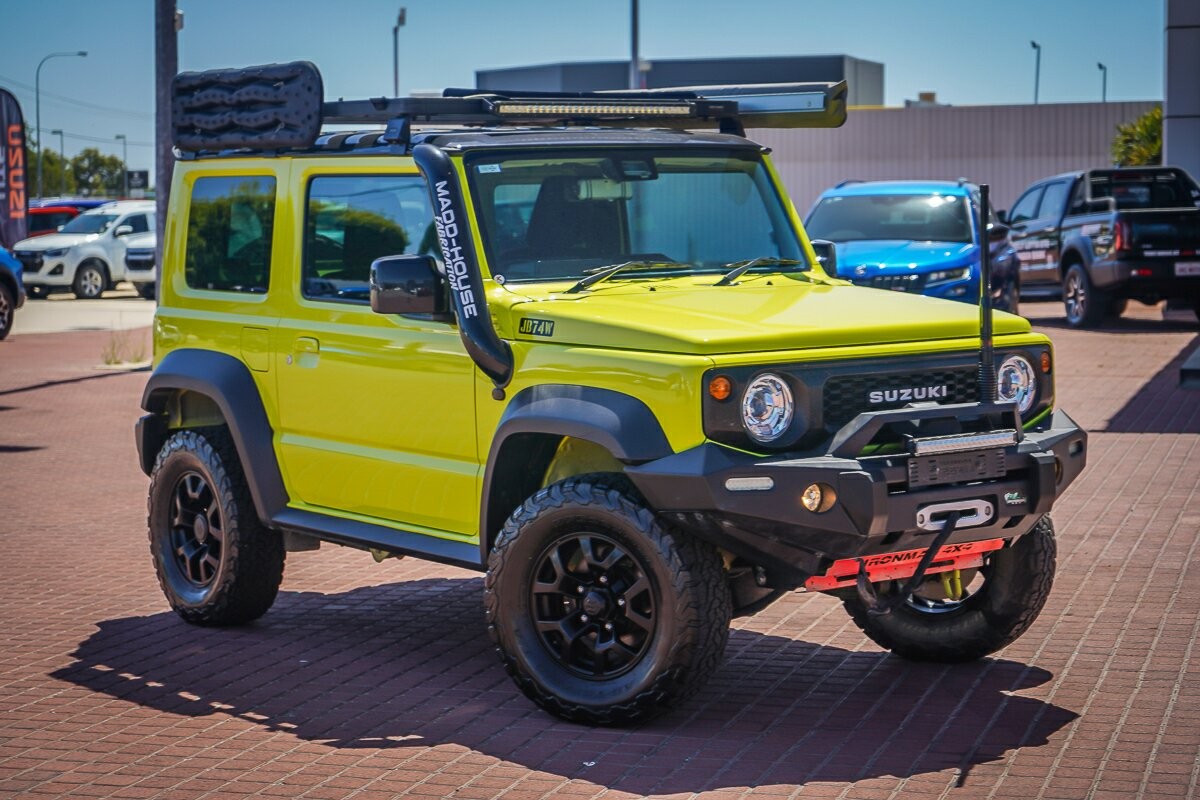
396	52
1103	82
124	162
635	77
37	105
1037	70
62	154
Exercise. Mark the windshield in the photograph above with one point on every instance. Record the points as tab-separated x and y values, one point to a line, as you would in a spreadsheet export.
905	217
558	216
89	223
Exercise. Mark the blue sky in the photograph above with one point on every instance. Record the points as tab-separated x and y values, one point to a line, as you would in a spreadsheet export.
969	52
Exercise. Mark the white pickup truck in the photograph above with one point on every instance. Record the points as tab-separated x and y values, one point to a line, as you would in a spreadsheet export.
87	255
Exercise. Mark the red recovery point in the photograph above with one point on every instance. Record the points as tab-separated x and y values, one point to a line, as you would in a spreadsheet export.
891	566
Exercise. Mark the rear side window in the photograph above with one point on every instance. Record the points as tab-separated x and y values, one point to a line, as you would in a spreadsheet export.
1054	199
353	220
229	233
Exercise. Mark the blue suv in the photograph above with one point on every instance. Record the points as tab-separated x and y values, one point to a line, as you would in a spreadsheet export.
12	290
915	236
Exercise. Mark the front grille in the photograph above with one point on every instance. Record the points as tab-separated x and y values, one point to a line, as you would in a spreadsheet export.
31	261
911	282
139	260
847	396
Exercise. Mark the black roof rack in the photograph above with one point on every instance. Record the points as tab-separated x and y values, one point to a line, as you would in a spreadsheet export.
281	106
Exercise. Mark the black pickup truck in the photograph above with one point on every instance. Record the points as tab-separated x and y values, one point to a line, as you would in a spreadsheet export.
1106	236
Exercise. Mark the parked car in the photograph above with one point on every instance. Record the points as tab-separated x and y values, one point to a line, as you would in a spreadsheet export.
44	220
1106	236
81	203
915	236
139	262
12	291
88	255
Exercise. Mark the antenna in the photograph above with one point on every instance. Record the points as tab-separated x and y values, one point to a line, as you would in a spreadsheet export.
987	362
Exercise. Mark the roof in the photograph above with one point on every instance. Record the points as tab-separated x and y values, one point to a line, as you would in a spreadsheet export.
959	188
122	207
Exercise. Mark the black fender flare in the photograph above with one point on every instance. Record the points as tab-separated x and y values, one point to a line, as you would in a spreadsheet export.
620	423
1076	247
228	383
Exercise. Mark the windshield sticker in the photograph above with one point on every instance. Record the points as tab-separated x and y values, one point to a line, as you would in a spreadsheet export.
536	327
486	168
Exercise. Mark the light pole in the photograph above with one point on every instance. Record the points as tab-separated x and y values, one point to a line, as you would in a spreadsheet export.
37	104
1103	82
124	163
1037	70
62	154
396	52
635	77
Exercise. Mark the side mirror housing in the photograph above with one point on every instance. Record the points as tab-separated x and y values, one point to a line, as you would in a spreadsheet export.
826	255
1002	215
409	284
123	230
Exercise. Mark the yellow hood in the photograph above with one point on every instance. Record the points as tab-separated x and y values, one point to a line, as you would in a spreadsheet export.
692	316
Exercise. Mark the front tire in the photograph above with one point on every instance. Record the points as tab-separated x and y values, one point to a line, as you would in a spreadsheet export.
601	614
1086	305
1016	583
8	308
91	279
216	563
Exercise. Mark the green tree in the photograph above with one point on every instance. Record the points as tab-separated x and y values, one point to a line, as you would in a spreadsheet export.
98	174
1139	143
59	177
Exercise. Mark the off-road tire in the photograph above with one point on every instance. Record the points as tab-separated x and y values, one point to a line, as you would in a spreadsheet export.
1085	304
686	586
91	279
245	579
8	309
1018	580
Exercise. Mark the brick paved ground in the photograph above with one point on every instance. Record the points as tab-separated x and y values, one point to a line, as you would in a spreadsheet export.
371	681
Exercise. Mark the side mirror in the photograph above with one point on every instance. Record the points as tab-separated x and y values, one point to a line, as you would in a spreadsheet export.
997	232
1002	215
123	230
826	255
408	285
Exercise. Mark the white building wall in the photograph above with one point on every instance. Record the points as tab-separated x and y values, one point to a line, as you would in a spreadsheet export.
1007	147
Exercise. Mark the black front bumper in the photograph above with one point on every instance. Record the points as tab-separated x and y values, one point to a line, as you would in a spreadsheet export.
876	509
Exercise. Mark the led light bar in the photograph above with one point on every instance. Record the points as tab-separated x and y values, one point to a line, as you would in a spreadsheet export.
590	108
960	443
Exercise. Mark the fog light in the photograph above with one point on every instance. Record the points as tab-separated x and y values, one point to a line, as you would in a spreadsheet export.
818	497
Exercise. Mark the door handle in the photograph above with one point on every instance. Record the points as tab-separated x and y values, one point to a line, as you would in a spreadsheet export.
307	352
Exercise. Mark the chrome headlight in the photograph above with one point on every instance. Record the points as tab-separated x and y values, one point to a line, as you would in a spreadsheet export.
767	408
1016	382
62	251
947	275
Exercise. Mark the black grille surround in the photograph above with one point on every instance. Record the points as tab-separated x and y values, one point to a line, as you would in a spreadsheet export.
910	282
828	395
31	260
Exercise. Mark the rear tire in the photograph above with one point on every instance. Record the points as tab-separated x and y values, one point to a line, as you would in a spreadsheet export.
91	279
1086	305
601	614
217	564
1017	581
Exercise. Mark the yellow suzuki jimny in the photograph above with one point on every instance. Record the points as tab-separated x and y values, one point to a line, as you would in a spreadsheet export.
583	343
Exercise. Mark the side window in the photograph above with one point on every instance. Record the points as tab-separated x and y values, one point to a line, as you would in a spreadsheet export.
1054	200
229	233
352	220
1026	207
1078	199
137	222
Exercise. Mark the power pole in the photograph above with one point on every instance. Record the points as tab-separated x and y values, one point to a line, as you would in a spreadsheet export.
635	78
167	23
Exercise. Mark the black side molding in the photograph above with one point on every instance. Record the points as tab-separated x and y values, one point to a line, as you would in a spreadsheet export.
228	383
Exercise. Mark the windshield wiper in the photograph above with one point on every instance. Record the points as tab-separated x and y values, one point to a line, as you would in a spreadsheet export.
738	268
598	274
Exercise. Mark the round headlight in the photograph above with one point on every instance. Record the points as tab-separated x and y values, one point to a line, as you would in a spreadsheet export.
1016	382
767	408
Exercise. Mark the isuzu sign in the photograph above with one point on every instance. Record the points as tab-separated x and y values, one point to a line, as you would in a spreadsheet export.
14	218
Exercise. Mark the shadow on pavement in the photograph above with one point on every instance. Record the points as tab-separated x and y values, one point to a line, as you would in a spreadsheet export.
64	381
1161	405
409	664
1123	325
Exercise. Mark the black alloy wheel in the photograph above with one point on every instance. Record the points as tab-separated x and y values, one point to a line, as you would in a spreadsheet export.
197	530
592	605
